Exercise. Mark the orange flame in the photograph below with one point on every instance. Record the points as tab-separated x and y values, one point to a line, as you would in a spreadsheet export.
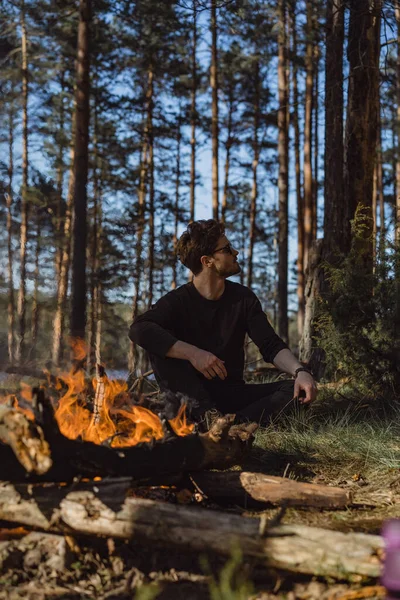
179	424
78	347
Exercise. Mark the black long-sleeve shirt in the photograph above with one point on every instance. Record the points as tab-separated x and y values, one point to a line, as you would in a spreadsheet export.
218	326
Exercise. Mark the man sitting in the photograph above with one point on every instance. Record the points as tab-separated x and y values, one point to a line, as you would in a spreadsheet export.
195	335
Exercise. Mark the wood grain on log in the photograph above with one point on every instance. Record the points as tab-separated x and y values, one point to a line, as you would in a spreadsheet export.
298	549
26	440
223	446
253	489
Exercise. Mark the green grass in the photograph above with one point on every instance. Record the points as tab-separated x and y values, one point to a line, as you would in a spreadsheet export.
334	444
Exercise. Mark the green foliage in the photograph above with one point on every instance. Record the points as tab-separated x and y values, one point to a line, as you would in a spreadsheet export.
232	583
357	324
147	592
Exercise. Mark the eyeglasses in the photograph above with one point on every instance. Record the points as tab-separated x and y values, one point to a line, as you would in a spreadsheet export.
228	249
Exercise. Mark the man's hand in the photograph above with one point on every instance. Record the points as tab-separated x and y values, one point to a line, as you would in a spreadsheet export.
304	382
208	364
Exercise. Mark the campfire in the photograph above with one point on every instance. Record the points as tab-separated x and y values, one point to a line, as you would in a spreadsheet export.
100	410
76	452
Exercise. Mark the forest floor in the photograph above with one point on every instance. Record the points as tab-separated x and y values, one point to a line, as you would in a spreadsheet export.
353	447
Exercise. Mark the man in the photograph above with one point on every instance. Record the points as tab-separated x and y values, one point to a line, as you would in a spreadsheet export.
195	335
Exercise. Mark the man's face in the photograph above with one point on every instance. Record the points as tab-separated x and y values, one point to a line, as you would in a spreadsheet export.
224	258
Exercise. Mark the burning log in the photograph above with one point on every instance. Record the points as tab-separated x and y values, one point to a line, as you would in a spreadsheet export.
256	489
102	509
224	445
26	440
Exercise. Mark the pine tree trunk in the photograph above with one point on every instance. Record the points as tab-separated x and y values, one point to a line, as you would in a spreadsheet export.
94	250
151	193
335	207
9	202
62	288
362	118
35	299
60	180
228	146
78	292
316	140
177	203
193	116
214	117
397	202
20	349
283	157
308	179
299	193
254	188
144	165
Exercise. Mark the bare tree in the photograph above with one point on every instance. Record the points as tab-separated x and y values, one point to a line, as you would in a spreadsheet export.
283	157
214	108
20	349
82	107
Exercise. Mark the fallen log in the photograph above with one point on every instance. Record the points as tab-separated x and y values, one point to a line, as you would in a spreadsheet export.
256	489
103	510
223	446
26	440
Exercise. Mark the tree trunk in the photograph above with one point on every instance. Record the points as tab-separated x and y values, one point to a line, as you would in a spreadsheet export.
60	181
214	117
362	118
283	157
228	146
78	292
176	208
9	202
94	250
397	195
35	299
308	179
62	288
151	192
335	207
193	116
144	165
254	188
299	192
20	349
316	137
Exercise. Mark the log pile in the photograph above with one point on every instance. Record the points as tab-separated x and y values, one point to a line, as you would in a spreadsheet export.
43	489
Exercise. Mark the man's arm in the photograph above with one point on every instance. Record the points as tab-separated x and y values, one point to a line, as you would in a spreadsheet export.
205	362
286	361
274	349
154	331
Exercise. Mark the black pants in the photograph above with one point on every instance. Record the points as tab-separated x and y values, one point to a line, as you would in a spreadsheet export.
253	402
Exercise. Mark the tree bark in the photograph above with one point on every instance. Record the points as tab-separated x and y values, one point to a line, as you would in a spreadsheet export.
21	309
316	136
177	202
228	146
214	108
193	115
62	288
35	295
335	207
299	192
308	179
255	489
98	511
254	187
362	119
9	203
60	180
78	292
283	157
151	191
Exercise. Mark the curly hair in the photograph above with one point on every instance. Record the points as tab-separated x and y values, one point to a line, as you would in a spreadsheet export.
199	239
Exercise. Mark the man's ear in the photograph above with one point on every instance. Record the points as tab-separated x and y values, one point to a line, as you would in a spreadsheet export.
206	261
